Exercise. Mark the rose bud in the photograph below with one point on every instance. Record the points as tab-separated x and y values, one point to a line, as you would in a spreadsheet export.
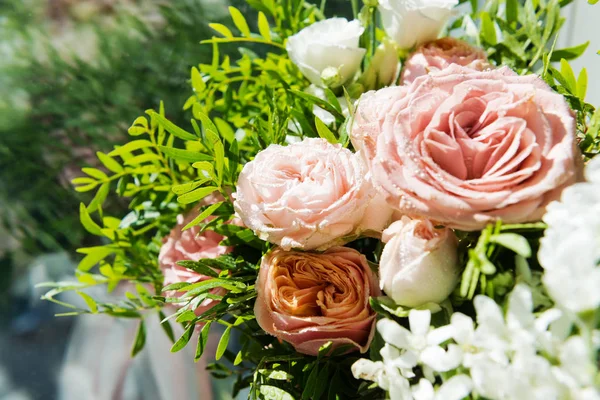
439	54
309	195
419	263
309	299
327	52
411	23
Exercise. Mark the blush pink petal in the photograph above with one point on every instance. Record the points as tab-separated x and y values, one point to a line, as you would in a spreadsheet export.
308	195
439	54
465	148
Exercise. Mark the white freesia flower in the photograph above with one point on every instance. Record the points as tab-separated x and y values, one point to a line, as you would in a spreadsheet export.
385	375
517	355
455	388
413	22
570	249
420	344
328	50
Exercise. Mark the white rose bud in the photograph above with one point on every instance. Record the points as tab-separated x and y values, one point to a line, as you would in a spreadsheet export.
384	68
419	263
326	46
411	23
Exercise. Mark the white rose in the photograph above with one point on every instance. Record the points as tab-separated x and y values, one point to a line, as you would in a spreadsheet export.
413	22
329	46
419	263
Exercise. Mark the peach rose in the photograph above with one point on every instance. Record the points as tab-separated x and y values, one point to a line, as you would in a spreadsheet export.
309	299
419	263
439	54
189	245
309	195
465	148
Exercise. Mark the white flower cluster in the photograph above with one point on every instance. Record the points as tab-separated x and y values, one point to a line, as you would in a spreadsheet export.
518	356
570	249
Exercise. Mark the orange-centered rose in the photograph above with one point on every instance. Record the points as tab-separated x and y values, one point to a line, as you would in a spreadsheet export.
309	299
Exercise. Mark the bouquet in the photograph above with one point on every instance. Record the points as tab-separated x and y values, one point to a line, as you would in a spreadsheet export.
403	205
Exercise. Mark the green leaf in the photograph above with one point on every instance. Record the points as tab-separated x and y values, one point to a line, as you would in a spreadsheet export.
567	72
186	316
95	173
219	161
196	195
197	82
142	158
239	21
198	266
274	393
222	29
569	53
136	130
319	102
184	155
166	325
263	26
582	84
309	388
91	303
322	383
225	130
202	340
171	127
184	339
206	122
512	10
222	346
188	186
99	198
109	162
206	169
175	286
131	146
514	242
488	31
324	131
87	221
203	215
140	339
94	257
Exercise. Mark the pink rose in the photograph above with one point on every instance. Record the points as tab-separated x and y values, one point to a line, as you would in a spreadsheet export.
309	195
189	245
465	148
439	54
309	299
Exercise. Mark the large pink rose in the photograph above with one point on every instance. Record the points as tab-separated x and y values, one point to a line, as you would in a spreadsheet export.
189	245
465	148
309	299
439	54
309	195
